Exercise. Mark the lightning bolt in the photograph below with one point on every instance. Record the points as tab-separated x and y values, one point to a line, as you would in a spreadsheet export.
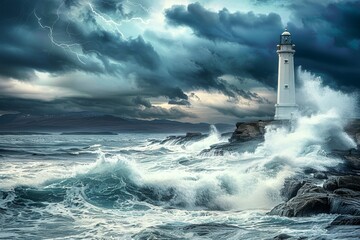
65	46
109	21
76	48
138	5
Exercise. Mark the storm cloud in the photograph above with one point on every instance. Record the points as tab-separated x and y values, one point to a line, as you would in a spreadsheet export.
119	57
326	36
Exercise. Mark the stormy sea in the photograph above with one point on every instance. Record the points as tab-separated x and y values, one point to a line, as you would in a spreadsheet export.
154	186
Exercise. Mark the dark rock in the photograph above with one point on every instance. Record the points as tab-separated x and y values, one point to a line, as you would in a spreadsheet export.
320	175
309	170
249	131
344	205
347	192
221	148
310	188
353	161
350	182
183	139
282	236
193	134
290	188
303	205
330	184
346	220
309	202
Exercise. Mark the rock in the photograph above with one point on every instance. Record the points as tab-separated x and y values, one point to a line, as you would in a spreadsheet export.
344	205
330	184
310	188
282	236
346	220
309	170
350	182
320	175
309	202
193	134
353	161
183	139
249	131
347	192
221	148
303	205
290	188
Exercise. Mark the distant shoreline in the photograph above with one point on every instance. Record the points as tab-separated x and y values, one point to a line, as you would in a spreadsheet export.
88	133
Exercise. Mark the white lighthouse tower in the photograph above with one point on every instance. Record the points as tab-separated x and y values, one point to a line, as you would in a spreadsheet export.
285	107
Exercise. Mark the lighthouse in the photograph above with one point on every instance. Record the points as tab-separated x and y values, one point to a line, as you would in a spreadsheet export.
285	106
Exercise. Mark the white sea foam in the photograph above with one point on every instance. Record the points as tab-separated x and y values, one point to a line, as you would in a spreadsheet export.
214	137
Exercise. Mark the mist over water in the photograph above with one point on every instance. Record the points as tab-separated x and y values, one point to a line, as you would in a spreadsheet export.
129	186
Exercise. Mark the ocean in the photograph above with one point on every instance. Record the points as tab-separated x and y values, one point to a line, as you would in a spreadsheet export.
138	186
130	186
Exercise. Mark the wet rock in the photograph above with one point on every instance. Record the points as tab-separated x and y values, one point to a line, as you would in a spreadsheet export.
249	131
303	205
330	184
222	148
347	192
344	205
353	160
320	175
193	134
349	182
290	188
183	139
309	170
310	188
346	220
282	236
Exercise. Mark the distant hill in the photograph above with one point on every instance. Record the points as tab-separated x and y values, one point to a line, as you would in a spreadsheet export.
91	122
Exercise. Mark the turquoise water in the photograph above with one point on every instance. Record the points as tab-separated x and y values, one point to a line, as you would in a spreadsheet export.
131	187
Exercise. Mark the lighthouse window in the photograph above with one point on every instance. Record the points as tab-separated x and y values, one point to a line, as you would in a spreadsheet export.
286	86
286	61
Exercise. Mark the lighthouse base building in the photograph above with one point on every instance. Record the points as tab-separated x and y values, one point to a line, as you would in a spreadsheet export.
285	107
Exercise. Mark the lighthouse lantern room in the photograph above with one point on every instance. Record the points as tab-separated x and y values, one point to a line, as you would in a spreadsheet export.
285	107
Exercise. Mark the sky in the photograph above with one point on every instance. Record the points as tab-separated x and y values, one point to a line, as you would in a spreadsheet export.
192	61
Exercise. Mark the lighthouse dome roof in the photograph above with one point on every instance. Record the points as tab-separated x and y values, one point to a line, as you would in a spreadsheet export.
286	33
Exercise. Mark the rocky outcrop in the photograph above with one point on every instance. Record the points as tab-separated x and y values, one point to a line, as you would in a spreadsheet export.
191	136
249	131
345	182
346	220
291	188
338	195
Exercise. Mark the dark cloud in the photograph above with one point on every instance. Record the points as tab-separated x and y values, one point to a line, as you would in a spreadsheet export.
181	102
224	43
244	28
328	40
130	107
247	41
110	5
26	46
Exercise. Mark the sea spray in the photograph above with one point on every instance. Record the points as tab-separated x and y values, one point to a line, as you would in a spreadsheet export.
317	130
214	137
